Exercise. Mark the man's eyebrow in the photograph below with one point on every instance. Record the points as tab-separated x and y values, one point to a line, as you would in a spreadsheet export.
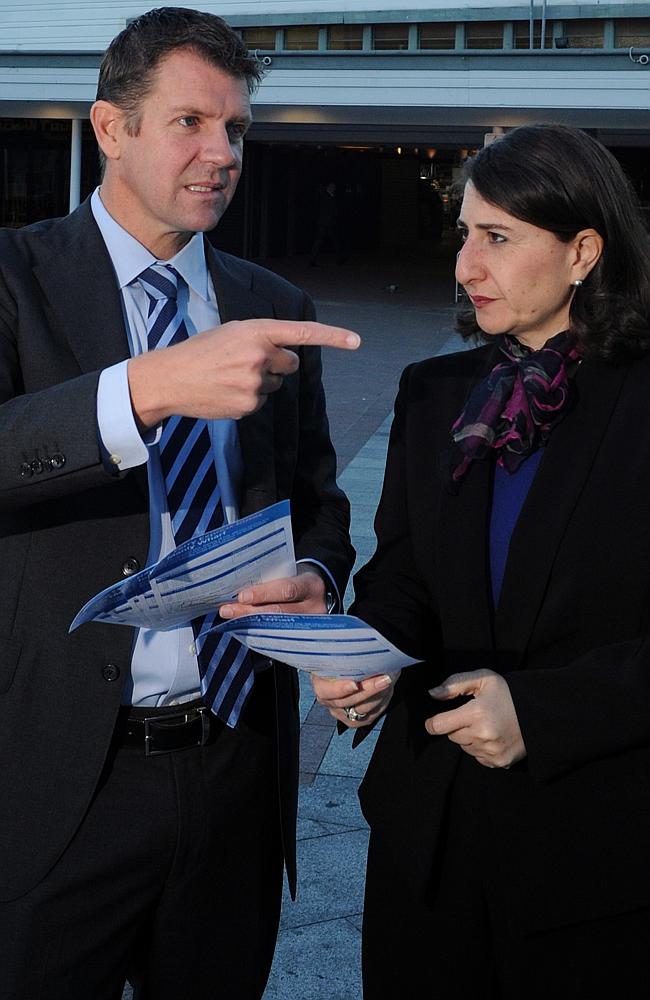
183	109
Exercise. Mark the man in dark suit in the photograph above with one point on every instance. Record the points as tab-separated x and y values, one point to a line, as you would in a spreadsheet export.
142	835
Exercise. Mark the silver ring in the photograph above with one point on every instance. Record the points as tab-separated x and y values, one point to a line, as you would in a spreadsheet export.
355	716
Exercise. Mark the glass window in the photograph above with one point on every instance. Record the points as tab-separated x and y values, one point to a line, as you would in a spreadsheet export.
585	34
303	37
390	36
259	38
522	35
437	35
484	35
632	32
345	36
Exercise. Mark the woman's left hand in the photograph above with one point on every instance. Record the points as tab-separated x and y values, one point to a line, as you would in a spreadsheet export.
486	727
368	697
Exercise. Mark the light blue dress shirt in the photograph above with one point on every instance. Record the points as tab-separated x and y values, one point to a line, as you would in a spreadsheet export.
164	670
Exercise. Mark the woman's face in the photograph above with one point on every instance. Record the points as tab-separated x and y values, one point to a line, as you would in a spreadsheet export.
518	277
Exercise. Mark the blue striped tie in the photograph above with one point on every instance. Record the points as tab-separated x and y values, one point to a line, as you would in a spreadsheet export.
194	501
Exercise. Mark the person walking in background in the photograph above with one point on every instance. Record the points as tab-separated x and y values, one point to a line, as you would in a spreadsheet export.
508	796
146	808
327	226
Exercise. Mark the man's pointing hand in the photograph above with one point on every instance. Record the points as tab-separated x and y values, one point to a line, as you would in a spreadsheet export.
226	372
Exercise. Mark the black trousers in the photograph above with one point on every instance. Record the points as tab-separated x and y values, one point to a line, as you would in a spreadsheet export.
458	942
174	879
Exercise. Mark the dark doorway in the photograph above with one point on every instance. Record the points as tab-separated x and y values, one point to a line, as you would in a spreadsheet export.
35	168
387	197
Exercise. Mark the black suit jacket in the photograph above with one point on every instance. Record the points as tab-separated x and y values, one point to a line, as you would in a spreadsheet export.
67	525
570	634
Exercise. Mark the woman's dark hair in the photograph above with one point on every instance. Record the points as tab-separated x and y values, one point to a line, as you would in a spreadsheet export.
562	180
127	71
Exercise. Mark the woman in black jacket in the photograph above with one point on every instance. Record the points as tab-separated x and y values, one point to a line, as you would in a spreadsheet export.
509	793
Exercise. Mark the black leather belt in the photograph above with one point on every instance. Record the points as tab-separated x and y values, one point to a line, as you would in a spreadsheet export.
164	730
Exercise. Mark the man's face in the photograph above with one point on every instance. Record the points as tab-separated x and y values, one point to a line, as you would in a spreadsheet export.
177	176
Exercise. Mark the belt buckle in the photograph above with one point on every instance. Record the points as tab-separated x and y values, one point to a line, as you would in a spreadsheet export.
201	713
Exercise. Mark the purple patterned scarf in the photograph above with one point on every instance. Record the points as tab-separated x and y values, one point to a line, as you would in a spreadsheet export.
516	407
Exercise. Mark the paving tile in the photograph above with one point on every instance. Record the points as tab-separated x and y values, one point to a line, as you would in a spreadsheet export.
320	716
317	962
364	513
366	460
333	799
309	828
363	533
342	759
365	548
306	694
314	741
365	541
353	476
331	882
376	449
364	499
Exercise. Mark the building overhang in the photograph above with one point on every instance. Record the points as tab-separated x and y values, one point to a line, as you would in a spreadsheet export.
378	97
399	125
435	125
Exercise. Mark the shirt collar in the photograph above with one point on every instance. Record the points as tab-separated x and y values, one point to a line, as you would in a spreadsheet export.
130	257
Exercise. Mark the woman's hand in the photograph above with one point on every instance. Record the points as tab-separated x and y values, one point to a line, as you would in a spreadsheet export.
369	697
486	727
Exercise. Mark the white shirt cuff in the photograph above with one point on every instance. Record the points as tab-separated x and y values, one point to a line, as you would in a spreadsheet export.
333	589
117	427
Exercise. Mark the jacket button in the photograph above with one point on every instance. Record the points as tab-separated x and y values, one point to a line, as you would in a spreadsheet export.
26	470
110	672
57	460
130	566
37	465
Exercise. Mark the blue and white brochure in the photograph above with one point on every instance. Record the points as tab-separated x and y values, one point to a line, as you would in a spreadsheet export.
201	574
327	645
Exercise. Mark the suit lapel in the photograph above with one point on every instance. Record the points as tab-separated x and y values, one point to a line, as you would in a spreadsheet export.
77	279
238	301
461	533
79	283
556	489
462	546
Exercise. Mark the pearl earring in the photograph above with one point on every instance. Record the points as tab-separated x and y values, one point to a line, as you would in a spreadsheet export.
577	282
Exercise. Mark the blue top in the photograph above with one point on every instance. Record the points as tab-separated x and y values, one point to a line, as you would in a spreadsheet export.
508	495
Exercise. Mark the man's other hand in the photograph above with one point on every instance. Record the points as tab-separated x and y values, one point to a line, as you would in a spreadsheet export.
303	594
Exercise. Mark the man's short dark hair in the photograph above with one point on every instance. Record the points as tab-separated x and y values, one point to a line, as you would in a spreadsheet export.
127	71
